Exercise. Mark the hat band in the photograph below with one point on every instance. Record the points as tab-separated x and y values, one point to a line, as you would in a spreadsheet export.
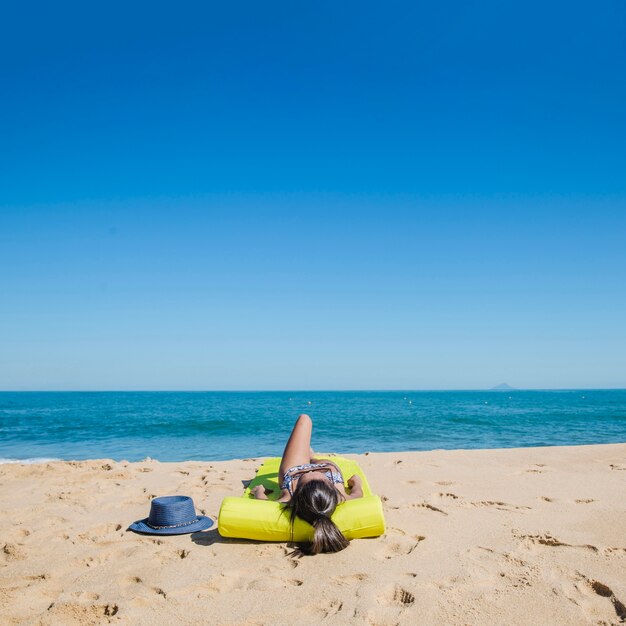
193	521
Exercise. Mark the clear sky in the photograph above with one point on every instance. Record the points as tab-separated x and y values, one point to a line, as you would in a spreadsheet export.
330	195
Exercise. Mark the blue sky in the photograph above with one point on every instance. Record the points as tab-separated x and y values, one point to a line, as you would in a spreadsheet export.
328	196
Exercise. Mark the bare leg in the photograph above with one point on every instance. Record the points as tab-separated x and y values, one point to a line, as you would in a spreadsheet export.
298	448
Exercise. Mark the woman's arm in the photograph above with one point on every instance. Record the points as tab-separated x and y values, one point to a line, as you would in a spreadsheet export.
258	493
298	448
285	497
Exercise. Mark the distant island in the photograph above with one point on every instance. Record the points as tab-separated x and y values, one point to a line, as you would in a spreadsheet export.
503	387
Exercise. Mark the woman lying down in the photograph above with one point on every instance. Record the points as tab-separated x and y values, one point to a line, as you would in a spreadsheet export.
312	489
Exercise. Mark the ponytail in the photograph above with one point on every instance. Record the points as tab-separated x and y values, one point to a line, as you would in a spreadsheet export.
326	536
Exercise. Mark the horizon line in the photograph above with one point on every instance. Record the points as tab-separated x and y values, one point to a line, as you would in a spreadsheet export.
389	390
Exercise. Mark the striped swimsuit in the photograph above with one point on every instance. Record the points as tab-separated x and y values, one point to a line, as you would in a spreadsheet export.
293	472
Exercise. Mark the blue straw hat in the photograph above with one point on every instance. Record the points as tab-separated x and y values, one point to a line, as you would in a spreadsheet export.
172	515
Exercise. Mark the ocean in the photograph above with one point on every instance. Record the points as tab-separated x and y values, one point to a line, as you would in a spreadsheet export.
177	426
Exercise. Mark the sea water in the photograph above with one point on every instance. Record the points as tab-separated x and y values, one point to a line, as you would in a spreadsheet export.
177	426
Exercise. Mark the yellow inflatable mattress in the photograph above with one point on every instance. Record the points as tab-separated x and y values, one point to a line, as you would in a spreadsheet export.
266	520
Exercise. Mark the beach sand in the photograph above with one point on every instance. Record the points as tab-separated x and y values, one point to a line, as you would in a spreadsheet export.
517	536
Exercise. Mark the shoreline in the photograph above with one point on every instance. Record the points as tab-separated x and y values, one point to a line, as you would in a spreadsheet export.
502	535
45	460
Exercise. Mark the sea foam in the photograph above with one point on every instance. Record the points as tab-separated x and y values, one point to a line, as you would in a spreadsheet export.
30	461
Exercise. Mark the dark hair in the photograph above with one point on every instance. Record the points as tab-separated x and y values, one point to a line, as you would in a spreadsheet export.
315	502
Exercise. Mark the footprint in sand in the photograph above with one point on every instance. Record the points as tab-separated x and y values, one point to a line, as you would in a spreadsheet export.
394	549
396	596
442	495
595	599
271	549
418	505
548	540
273	583
131	580
503	567
72	612
327	609
61	495
208	479
16	534
93	561
605	592
35	578
13	552
502	506
222	583
350	580
97	534
20	583
430	507
85	596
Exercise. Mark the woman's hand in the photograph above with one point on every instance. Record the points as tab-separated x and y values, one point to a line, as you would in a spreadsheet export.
354	482
355	479
259	492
